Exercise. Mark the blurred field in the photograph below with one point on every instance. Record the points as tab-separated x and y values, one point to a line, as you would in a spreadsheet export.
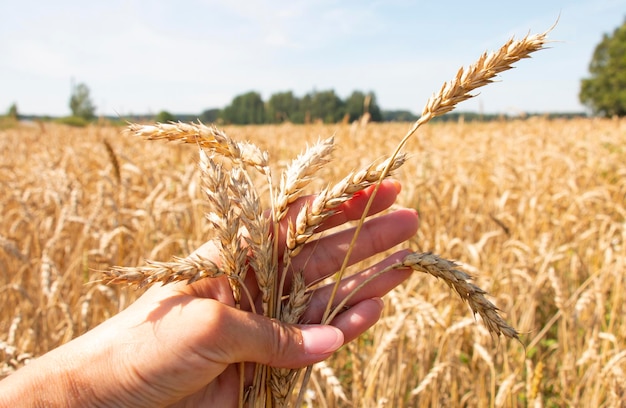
535	209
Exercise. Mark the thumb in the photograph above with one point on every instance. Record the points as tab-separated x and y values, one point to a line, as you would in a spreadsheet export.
259	339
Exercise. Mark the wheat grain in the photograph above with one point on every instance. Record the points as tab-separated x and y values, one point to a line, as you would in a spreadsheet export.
298	299
481	73
281	382
359	180
46	271
311	216
13	328
559	298
260	242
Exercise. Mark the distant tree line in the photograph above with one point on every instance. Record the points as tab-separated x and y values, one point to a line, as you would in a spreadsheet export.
214	116
317	106
602	92
249	108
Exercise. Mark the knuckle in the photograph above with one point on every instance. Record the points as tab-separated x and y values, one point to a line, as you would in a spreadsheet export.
281	343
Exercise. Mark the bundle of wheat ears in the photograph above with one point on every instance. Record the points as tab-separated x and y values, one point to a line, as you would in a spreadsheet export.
245	235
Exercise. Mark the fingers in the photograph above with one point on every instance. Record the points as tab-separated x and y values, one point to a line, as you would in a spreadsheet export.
376	288
268	341
258	339
359	318
255	338
325	256
351	209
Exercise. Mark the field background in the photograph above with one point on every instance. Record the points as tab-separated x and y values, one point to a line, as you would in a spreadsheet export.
534	209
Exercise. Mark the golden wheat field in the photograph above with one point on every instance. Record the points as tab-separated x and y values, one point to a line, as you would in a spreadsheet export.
534	209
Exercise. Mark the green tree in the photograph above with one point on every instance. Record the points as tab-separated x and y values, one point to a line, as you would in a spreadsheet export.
304	112
281	107
325	106
245	109
358	103
399	116
373	108
12	112
209	116
604	92
81	104
164	117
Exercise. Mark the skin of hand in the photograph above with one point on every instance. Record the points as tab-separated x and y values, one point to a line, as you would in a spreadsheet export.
180	344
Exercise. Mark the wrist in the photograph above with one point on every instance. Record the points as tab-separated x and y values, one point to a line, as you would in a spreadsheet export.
45	382
70	376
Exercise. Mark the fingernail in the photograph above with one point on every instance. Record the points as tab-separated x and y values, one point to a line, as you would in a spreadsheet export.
321	339
397	185
380	302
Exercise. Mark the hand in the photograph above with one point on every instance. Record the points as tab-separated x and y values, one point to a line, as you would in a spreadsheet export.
181	344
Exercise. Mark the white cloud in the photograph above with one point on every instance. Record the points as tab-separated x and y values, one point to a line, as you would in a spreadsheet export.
280	40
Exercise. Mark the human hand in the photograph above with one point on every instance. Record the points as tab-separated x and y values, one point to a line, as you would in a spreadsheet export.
181	344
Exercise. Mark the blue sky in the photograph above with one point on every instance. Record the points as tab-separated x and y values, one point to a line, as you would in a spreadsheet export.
191	55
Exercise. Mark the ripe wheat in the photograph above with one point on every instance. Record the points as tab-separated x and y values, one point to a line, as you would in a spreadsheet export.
236	217
511	200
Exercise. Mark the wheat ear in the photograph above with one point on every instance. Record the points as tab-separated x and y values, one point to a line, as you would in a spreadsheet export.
225	221
449	272
481	73
458	280
310	217
188	269
299	174
207	137
260	242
